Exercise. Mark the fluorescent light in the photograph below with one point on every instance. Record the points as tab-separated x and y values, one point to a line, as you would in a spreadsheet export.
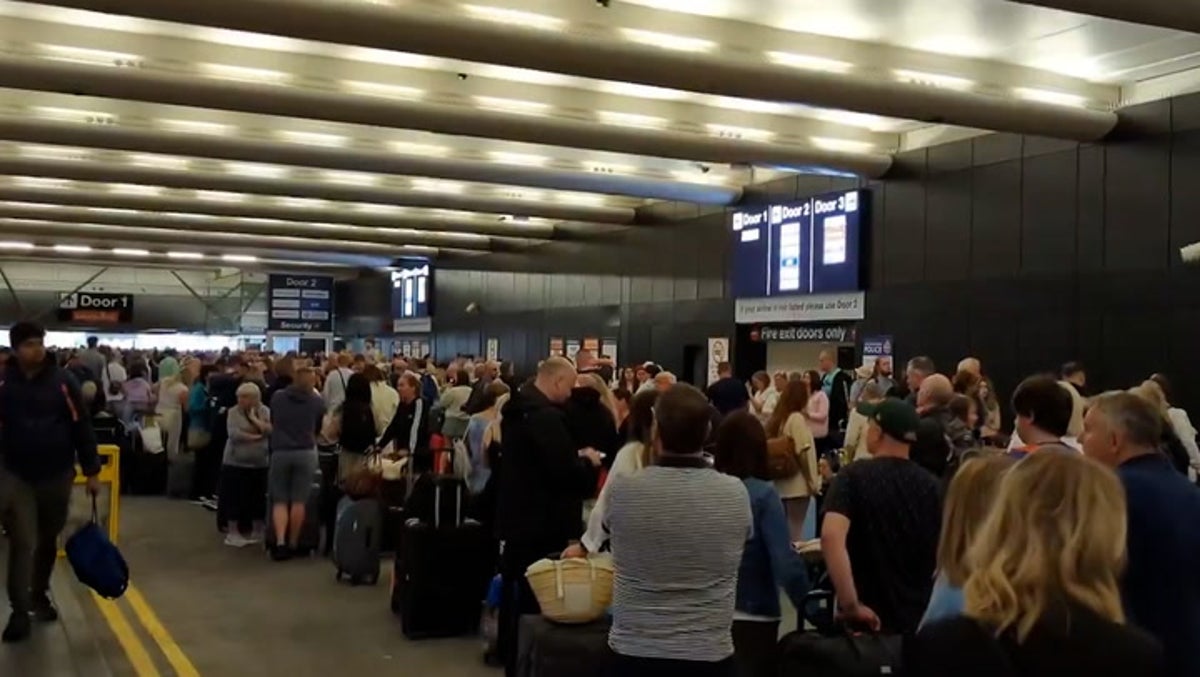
190	215
1049	96
524	159
312	138
842	144
382	90
159	161
122	251
488	70
410	148
845	117
112	210
805	61
515	17
934	79
244	74
16	245
610	117
256	170
437	186
694	176
74	115
527	195
608	168
385	57
748	105
195	127
53	152
668	41
375	208
95	57
732	132
643	91
72	248
134	189
512	105
350	178
584	199
185	255
301	202
220	196
239	258
41	182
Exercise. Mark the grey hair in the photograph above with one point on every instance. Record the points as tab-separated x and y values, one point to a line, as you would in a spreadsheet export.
1132	415
250	389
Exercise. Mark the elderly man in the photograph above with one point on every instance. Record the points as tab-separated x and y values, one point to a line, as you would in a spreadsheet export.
942	438
663	381
1160	588
915	373
485	373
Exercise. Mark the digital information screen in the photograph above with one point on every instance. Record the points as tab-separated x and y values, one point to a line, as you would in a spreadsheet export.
806	247
411	287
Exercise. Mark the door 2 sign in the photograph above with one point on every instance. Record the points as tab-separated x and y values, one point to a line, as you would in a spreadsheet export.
800	333
95	308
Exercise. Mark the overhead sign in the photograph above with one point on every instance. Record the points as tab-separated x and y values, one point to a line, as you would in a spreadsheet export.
95	308
300	303
811	308
801	333
411	289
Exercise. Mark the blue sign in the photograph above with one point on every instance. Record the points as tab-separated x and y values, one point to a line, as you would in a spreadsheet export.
302	303
876	348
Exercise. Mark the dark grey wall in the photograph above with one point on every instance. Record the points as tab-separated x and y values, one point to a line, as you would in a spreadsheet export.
1023	251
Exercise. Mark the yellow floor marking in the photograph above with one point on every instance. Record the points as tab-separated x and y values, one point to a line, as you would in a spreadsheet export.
139	658
175	656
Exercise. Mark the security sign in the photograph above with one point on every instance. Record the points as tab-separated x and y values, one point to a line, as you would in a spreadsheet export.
95	308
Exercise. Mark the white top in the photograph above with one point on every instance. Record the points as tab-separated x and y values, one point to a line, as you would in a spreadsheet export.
113	373
384	402
169	392
335	388
769	398
1187	434
1015	442
856	437
627	462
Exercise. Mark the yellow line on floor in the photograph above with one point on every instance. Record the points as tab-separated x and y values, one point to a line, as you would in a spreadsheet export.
179	661
139	658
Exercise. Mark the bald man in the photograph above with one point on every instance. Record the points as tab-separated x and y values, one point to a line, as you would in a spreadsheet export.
543	485
971	365
942	438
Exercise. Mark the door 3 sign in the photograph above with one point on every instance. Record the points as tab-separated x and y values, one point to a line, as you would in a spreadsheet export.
300	303
95	308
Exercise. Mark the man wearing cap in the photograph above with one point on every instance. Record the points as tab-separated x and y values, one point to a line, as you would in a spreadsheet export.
880	532
43	431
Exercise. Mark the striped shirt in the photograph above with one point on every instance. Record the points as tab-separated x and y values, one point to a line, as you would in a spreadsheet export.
677	538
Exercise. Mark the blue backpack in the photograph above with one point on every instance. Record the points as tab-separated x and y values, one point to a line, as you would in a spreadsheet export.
98	563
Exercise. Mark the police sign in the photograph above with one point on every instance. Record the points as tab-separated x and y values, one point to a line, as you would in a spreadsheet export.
95	308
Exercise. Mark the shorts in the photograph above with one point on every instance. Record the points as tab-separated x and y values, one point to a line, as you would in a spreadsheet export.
290	476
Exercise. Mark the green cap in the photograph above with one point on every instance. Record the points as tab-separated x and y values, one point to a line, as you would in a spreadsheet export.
897	418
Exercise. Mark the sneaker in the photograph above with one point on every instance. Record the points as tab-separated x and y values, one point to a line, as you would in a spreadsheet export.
253	539
18	628
281	553
236	540
209	504
43	610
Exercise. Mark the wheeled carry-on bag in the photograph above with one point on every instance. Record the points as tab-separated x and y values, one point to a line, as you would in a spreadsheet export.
310	532
846	654
356	540
181	470
442	571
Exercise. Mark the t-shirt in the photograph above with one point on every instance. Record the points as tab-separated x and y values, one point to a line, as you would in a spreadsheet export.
728	395
894	508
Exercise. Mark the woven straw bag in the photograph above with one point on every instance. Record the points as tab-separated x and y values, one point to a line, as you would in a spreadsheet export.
572	591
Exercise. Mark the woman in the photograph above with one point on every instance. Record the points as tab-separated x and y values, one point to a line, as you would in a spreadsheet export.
172	399
629	380
384	399
1181	424
489	443
855	446
817	411
481	470
968	501
789	421
244	467
409	429
137	391
451	402
1041	599
965	409
768	562
1171	444
285	372
637	453
765	397
352	426
199	408
591	417
622	400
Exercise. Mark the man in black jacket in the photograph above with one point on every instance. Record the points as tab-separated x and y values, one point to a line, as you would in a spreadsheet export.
44	429
544	479
836	385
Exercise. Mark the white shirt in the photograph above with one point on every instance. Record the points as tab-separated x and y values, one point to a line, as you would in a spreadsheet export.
113	373
168	396
1187	434
627	462
335	388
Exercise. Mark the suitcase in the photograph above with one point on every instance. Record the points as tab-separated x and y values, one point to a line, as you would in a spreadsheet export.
180	474
841	655
442	572
393	528
356	540
548	649
310	532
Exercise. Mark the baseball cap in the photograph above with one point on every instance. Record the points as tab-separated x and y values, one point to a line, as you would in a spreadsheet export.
897	418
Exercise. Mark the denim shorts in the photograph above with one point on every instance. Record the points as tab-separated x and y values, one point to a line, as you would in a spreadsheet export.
291	474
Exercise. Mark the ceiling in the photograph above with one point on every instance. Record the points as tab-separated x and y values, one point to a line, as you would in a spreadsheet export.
346	133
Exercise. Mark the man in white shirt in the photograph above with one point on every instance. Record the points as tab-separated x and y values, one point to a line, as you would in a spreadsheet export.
335	382
112	376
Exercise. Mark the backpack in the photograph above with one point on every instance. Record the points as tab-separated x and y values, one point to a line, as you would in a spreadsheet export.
97	563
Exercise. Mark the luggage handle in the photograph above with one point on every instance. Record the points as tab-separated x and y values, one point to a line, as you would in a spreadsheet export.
437	506
95	512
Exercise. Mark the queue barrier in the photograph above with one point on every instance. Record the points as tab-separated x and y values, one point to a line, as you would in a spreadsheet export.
108	502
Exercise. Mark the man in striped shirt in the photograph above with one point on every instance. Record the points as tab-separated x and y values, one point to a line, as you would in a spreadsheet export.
677	530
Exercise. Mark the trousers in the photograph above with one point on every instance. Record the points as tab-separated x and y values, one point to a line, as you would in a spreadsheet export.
33	514
516	597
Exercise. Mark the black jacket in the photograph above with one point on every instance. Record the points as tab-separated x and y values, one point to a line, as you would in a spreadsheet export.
543	481
961	647
933	446
591	423
43	425
409	428
839	400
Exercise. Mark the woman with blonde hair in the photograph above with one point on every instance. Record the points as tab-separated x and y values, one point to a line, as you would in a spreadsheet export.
789	421
1170	444
1042	597
968	501
596	382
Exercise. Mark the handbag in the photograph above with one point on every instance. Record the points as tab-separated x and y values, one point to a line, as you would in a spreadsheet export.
152	439
97	563
783	462
840	655
198	438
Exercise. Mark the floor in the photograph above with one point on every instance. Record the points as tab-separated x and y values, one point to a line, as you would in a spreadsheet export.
198	607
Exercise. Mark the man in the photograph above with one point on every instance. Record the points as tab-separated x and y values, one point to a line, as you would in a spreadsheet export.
835	383
970	365
1075	374
542	489
727	393
296	414
92	358
1160	588
112	379
915	373
334	392
942	438
43	432
1043	409
882	519
586	363
486	372
663	381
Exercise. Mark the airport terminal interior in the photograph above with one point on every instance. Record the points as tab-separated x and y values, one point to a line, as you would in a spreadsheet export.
447	205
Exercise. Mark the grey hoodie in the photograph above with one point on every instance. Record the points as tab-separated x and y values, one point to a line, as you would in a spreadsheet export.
296	417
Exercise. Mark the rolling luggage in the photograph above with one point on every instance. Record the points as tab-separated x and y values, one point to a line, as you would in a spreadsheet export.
841	655
180	473
310	532
442	572
548	649
356	540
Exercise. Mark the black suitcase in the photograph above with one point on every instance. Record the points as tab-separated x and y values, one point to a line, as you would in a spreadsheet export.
142	473
548	649
310	532
442	571
841	655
